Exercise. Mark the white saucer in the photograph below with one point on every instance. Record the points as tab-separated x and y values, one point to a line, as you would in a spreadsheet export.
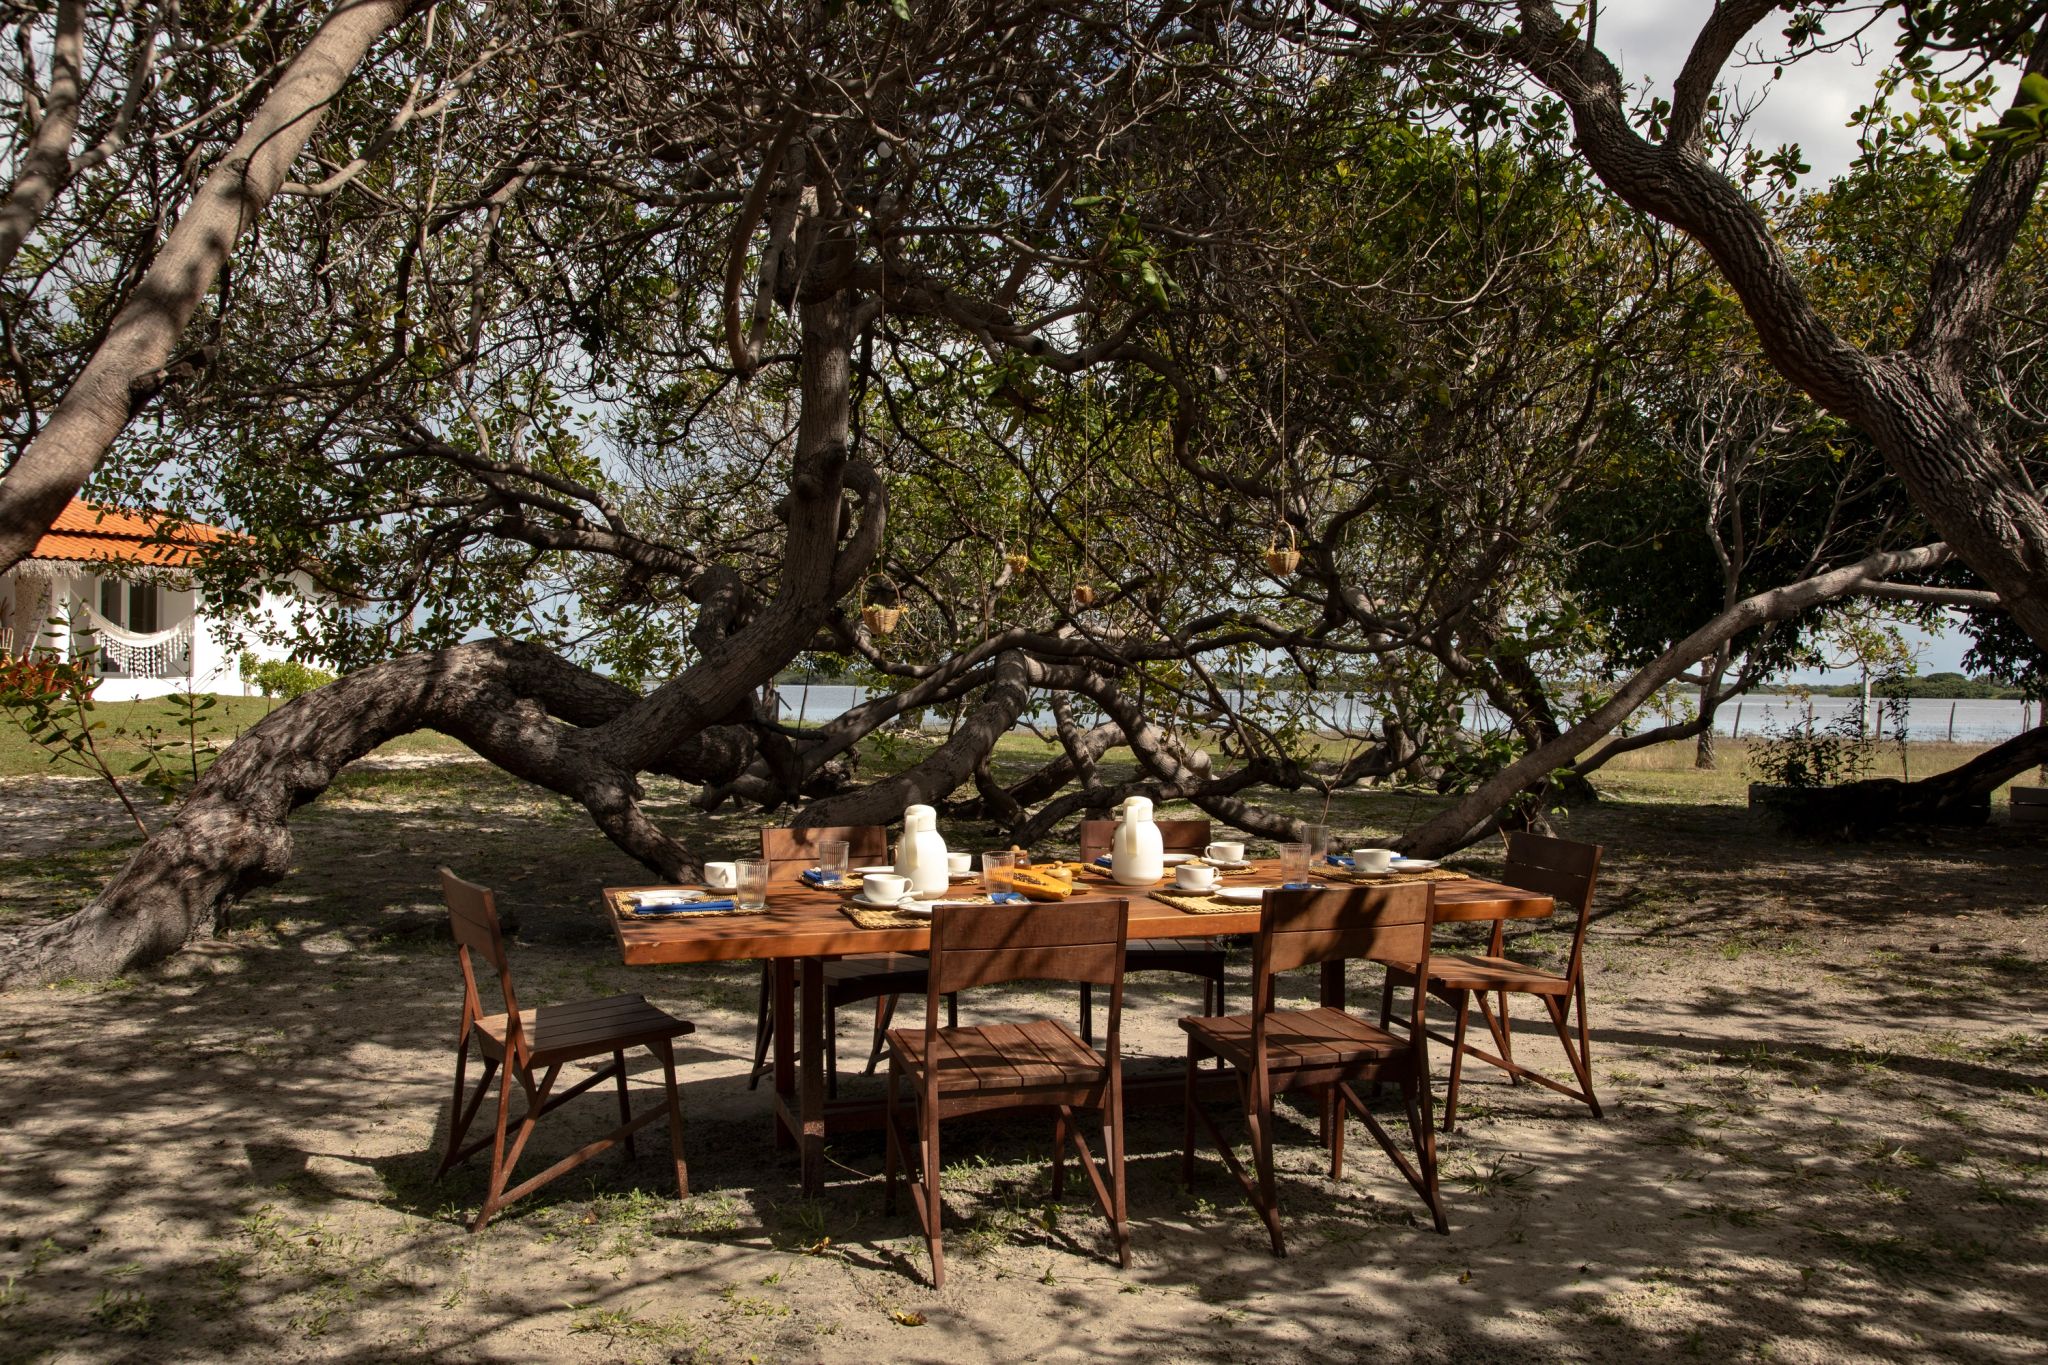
906	905
1415	864
1238	866
1173	859
863	871
1242	895
967	876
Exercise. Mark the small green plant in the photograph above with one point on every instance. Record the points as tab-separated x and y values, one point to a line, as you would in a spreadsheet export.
286	678
124	1311
1805	758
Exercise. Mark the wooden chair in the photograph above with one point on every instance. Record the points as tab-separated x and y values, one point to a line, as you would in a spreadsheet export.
1198	957
879	977
1039	1065
544	1039
1566	871
1323	1049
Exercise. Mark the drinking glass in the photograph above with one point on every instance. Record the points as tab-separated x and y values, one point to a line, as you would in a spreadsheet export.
995	871
752	891
1317	837
832	859
1294	859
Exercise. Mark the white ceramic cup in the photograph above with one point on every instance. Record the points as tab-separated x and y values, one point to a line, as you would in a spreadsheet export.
884	888
1232	852
723	876
959	862
1194	877
1372	859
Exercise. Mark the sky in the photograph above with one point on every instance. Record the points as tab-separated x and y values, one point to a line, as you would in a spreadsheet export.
1648	39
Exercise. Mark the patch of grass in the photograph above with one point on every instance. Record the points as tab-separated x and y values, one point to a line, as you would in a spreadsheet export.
626	1326
126	1311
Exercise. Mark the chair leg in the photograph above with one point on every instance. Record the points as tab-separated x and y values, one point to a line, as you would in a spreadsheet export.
1259	1115
885	1011
1188	1114
930	1193
1461	1001
953	1011
625	1104
831	1051
1585	1058
1087	1013
1059	1153
764	1025
1581	1064
891	1154
667	1053
1119	1220
1333	1104
498	1175
463	1115
1507	1038
1416	1092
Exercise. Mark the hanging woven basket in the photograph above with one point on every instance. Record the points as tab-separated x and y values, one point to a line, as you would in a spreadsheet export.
880	620
1283	562
1017	561
1084	596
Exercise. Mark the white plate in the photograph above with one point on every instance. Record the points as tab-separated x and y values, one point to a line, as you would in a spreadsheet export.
1171	859
967	876
1415	864
863	871
1243	895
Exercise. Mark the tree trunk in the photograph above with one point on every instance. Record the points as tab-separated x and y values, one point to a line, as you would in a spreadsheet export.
147	328
47	165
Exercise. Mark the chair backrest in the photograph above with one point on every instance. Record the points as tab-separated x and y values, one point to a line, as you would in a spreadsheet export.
789	852
1175	836
985	945
473	920
1387	924
1564	871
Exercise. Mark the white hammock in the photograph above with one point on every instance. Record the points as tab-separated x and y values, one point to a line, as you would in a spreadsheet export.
155	655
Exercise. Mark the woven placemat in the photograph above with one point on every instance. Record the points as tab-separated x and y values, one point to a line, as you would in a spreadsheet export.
869	917
1434	874
1196	903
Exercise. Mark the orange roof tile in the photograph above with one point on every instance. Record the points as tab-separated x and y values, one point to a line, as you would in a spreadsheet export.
88	533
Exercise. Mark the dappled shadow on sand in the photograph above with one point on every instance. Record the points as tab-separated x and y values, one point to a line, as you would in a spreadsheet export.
1825	1143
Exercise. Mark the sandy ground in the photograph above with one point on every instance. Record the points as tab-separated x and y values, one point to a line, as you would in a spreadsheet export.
1823	1068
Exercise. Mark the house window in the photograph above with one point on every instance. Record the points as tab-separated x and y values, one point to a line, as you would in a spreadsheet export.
142	613
131	606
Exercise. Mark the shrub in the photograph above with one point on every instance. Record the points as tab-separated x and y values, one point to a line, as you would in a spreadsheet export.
286	678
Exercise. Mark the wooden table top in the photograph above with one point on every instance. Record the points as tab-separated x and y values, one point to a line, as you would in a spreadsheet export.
802	921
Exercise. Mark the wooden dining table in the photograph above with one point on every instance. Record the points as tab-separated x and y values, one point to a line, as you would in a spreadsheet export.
803	927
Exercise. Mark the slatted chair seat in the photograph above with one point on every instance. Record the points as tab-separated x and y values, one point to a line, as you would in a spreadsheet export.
1043	1052
1298	1039
564	1033
516	1044
936	1074
1476	972
1325	1050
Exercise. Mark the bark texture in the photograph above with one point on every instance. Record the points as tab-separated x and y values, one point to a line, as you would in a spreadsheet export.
147	328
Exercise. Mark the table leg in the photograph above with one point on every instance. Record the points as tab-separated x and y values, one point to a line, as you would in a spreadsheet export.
812	1066
1332	997
784	1006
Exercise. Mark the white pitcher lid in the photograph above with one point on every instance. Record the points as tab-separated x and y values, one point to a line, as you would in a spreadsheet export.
920	820
1138	808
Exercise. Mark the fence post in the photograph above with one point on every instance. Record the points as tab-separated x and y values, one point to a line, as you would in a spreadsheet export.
1951	722
1736	729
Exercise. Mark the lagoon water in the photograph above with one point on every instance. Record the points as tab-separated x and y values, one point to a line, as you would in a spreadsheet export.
1966	722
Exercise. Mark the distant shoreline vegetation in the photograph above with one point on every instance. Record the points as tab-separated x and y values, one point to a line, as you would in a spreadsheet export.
1933	687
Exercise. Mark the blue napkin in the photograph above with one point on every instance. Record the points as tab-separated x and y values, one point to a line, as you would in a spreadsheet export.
1299	886
1009	897
1103	861
815	876
1339	860
683	908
